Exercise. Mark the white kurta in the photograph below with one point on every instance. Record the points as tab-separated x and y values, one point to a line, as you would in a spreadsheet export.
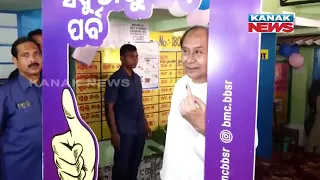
185	148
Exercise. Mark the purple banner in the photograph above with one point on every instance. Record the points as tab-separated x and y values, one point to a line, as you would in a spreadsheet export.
232	91
232	81
67	139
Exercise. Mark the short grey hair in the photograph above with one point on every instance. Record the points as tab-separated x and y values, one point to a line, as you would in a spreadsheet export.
189	30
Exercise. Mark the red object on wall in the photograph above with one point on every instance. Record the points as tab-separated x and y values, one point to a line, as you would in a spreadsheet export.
281	90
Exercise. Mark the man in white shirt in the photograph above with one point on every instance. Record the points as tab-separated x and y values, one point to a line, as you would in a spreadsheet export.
185	140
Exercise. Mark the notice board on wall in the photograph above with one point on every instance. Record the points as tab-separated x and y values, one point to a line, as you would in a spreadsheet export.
89	91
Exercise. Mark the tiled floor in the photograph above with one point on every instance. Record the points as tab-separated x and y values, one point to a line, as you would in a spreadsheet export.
291	167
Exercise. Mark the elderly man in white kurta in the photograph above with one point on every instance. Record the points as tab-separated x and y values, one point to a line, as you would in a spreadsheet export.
185	141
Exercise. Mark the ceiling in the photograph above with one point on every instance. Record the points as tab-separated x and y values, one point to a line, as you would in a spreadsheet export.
308	11
311	11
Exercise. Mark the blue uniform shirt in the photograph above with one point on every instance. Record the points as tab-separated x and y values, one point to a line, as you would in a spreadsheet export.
126	93
20	130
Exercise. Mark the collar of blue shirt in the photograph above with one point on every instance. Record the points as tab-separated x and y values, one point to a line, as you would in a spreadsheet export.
25	83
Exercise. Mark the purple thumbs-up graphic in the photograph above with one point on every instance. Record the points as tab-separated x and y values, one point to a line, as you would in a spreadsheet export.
75	151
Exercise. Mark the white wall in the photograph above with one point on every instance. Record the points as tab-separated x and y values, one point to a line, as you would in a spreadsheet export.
8	34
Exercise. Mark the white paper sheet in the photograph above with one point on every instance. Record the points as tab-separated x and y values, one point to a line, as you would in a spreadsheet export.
148	65
85	54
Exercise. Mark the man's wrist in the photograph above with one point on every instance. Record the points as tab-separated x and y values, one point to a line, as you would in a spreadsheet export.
114	131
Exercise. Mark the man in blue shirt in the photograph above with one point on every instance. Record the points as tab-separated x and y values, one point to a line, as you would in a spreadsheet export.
35	35
126	118
21	115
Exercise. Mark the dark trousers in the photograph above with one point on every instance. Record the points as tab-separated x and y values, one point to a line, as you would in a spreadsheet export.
128	158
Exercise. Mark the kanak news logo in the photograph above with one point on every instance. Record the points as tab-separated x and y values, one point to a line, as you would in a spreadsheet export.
271	23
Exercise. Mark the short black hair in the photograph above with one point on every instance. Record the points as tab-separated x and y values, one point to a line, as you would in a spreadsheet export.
21	40
190	29
127	48
34	33
14	74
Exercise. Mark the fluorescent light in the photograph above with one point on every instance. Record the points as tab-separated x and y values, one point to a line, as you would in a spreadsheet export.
300	21
307	22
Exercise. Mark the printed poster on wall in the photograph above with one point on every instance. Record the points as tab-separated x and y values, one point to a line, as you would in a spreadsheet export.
281	88
148	64
130	33
139	32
